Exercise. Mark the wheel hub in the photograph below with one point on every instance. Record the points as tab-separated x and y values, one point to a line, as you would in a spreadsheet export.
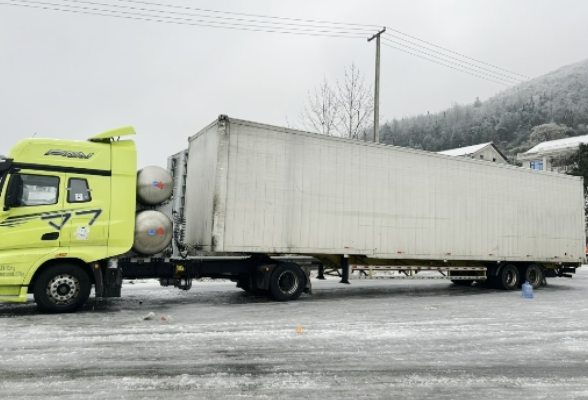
511	278
288	282
63	289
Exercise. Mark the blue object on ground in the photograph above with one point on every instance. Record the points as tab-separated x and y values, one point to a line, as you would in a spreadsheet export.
527	290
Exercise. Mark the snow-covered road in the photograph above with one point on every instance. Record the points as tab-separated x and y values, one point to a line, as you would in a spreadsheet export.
372	339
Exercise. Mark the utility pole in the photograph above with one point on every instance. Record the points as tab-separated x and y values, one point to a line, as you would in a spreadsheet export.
377	87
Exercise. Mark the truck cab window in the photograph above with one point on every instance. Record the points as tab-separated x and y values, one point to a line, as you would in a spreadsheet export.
38	190
78	191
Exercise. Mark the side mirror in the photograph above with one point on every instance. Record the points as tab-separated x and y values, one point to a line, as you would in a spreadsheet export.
12	191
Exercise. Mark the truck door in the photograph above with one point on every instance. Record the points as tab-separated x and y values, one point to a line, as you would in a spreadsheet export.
88	200
31	226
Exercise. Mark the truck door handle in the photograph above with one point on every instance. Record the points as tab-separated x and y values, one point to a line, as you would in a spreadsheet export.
50	236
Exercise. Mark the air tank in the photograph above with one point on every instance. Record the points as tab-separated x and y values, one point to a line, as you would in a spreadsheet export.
154	185
153	232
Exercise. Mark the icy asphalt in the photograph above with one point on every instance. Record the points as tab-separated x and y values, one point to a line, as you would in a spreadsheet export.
368	340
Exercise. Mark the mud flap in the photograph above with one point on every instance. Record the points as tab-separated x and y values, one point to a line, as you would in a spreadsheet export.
98	281
261	280
112	282
308	286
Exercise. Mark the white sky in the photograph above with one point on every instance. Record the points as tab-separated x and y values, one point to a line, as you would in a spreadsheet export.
71	76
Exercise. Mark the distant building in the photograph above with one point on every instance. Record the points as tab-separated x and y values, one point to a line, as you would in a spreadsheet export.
484	151
553	155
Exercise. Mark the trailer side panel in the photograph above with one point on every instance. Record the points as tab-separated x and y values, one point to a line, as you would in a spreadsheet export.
285	191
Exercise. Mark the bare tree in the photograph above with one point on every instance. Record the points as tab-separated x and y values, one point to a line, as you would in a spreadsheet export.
356	104
320	111
345	110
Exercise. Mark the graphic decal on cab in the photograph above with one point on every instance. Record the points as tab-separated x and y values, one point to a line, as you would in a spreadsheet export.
51	216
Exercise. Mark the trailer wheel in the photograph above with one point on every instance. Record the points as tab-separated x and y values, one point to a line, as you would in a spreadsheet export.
286	282
534	275
62	288
508	277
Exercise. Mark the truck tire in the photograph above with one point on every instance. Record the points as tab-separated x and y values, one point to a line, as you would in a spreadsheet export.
508	277
287	282
534	275
62	288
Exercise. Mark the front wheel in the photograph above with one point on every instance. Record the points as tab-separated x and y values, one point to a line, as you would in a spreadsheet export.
62	288
287	282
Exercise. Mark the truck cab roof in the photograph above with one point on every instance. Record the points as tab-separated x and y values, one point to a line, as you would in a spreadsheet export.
91	154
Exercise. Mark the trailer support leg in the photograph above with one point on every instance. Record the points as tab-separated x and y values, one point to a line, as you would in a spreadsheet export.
321	272
344	270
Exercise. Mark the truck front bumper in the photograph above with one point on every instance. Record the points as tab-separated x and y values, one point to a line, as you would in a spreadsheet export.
13	294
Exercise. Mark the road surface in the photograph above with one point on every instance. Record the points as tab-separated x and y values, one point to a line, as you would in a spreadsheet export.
368	340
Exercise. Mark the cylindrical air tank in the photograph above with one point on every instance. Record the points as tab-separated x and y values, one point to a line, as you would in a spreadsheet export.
153	232
154	185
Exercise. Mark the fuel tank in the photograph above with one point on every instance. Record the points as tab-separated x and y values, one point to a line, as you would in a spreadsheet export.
153	232
154	185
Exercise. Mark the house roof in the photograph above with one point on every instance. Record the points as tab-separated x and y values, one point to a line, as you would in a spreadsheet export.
464	151
559	144
468	150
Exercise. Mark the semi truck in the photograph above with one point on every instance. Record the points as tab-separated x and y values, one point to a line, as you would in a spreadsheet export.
263	205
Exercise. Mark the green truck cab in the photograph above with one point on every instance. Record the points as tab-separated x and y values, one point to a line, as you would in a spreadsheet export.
66	208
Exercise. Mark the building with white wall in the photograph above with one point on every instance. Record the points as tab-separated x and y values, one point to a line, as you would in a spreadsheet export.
552	155
484	151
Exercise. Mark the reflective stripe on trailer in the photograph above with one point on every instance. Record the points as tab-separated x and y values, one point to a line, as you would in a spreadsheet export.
415	268
454	278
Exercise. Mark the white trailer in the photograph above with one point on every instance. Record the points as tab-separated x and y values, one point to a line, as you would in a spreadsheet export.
259	189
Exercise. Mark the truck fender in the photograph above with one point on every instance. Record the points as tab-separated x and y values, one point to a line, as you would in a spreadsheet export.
493	271
308	285
263	273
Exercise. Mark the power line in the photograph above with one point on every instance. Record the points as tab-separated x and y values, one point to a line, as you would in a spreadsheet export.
508	77
448	66
493	74
247	15
326	22
244	24
222	24
170	20
461	55
363	30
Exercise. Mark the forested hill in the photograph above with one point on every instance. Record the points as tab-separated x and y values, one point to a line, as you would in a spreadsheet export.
549	107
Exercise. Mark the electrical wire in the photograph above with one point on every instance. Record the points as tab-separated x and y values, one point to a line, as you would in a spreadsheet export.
299	27
330	22
445	65
490	72
453	52
493	74
170	20
248	15
363	30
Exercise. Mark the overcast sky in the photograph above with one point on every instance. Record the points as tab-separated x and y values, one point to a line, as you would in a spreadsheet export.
66	75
